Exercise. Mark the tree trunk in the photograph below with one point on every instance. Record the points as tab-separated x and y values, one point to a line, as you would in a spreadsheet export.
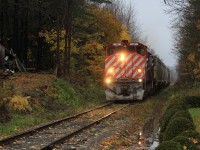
68	36
15	42
57	71
39	44
25	40
2	21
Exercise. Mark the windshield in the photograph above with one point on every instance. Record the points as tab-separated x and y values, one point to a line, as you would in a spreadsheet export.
115	49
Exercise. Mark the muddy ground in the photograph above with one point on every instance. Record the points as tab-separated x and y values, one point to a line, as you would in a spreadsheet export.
137	127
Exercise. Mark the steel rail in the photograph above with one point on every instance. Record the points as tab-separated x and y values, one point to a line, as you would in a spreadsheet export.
38	128
66	137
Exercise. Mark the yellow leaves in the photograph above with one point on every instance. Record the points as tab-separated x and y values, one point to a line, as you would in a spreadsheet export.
124	33
19	104
51	38
195	141
191	57
108	24
93	47
197	73
95	53
112	28
107	142
184	147
195	64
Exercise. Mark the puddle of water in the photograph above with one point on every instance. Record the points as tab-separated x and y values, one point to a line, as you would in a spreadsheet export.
150	136
155	142
154	145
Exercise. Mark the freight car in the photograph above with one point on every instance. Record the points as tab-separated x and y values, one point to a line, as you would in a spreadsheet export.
132	72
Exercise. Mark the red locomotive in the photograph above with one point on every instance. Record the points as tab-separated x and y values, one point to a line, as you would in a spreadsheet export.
132	72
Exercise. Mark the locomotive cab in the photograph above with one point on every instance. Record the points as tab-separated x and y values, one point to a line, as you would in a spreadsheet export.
125	71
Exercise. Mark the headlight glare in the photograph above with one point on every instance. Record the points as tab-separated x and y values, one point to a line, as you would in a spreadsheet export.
122	57
110	70
108	80
139	70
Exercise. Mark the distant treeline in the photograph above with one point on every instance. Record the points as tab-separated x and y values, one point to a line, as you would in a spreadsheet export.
186	23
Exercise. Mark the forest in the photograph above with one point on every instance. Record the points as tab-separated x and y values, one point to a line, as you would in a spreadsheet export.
65	36
186	25
68	36
63	41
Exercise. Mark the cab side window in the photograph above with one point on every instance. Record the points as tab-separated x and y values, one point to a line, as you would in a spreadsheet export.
110	50
140	50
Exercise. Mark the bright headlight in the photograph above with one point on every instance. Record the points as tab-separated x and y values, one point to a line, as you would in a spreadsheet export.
140	70
108	80
140	80
110	70
122	57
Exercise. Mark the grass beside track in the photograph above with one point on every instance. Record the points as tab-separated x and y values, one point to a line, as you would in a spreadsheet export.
195	113
21	122
45	99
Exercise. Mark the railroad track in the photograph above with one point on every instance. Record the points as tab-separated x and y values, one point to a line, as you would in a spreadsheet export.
49	135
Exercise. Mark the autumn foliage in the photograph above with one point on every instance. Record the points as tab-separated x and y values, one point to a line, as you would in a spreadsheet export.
87	51
186	45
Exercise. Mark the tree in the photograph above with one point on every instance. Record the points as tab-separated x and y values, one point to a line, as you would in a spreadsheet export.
186	45
65	35
126	15
92	43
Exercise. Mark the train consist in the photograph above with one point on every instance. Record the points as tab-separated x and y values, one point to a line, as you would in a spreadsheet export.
132	72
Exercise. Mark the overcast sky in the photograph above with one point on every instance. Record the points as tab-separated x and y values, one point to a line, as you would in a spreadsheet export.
155	26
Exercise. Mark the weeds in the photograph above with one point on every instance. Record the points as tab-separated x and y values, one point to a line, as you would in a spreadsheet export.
19	104
54	100
110	148
123	133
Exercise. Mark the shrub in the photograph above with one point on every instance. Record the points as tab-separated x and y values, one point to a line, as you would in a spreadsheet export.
65	92
8	89
171	108
177	126
165	121
193	101
185	142
52	104
92	93
193	135
5	115
178	105
19	104
169	113
197	139
189	133
169	145
182	113
176	97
